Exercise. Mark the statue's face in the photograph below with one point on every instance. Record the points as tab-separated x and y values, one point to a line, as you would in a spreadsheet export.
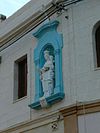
46	56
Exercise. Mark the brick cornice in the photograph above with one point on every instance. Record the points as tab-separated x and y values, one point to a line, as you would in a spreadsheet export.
73	110
69	110
81	108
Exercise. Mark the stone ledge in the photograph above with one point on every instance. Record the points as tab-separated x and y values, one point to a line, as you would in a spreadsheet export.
50	100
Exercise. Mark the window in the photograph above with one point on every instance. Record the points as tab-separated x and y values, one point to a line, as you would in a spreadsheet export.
97	41
20	78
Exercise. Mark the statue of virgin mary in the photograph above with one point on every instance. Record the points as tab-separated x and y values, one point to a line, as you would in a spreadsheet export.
47	75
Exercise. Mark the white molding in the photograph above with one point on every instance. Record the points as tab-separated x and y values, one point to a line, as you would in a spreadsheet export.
32	124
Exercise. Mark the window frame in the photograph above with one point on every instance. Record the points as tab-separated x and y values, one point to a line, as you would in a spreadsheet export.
16	79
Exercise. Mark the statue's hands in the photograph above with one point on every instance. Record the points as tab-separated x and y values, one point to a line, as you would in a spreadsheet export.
46	69
43	70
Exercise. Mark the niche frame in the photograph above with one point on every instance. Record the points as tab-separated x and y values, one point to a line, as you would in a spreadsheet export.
48	35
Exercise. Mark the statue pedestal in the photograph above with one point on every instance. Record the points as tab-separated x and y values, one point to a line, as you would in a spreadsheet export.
47	102
43	102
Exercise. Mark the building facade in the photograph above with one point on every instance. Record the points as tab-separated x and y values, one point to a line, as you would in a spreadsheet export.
68	34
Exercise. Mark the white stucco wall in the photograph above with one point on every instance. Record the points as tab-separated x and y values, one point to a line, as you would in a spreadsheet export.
89	123
13	112
48	128
81	78
86	78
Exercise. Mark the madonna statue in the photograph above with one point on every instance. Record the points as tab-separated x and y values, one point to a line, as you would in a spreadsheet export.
47	75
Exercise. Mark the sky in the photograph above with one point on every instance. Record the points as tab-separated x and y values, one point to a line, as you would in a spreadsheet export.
8	7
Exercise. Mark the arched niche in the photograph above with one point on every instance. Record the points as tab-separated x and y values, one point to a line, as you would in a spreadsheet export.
48	39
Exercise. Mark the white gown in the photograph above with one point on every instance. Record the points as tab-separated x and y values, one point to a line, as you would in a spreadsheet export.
47	78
